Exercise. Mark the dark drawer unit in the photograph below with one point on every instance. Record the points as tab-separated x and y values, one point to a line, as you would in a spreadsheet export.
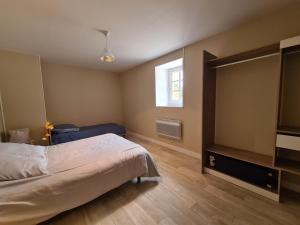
254	174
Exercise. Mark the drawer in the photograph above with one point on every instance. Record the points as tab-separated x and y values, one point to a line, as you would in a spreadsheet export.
254	174
288	142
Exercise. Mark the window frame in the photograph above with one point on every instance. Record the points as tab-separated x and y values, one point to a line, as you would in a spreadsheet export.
171	102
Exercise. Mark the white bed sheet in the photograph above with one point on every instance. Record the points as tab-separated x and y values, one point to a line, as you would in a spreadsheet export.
79	172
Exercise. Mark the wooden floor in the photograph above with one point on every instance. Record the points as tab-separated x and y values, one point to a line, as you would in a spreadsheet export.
183	196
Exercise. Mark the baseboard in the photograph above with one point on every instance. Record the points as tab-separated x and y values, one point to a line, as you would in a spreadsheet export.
172	147
243	184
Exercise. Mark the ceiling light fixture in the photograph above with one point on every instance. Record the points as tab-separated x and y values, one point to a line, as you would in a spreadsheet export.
107	55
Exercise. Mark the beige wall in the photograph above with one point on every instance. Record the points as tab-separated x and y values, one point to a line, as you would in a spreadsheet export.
246	103
1	124
138	83
22	92
81	96
1	121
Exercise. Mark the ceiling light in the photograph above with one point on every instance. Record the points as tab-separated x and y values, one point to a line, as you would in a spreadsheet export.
107	55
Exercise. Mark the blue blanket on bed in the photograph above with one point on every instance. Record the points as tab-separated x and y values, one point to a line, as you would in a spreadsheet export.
86	132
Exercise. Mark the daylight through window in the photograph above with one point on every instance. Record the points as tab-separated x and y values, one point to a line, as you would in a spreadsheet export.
169	84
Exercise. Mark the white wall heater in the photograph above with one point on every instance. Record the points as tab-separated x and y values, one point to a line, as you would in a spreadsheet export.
169	128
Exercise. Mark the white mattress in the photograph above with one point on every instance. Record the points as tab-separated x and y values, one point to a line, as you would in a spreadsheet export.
80	171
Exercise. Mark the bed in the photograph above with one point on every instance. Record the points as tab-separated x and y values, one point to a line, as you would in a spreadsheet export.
79	172
86	132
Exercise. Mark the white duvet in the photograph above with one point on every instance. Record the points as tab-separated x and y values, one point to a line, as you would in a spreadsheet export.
79	172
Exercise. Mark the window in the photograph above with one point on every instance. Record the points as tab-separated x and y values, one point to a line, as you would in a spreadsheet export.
169	84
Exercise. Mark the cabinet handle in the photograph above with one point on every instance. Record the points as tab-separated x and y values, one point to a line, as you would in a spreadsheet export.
212	160
270	174
269	186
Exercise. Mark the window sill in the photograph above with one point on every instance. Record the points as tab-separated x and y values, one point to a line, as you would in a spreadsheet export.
169	107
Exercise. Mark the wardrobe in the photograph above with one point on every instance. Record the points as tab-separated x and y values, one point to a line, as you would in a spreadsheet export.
251	116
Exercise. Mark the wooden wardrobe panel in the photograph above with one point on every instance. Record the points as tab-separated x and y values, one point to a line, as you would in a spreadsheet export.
290	113
209	96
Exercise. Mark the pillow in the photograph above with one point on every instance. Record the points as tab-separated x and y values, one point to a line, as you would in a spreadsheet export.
18	161
19	136
65	128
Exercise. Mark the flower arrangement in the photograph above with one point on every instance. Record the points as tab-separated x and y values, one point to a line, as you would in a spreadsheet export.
48	127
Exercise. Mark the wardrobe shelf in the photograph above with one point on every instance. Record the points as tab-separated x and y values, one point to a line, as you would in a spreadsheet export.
247	156
289	130
255	53
288	165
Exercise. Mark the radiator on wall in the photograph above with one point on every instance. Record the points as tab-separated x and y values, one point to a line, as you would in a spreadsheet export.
169	128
